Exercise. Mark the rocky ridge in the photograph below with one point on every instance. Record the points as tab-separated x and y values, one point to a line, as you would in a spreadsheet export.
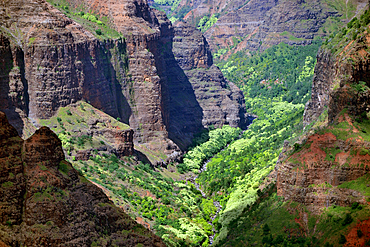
45	202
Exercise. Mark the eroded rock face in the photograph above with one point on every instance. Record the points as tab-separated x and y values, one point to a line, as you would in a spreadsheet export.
140	79
262	23
312	174
199	95
309	177
335	78
54	62
45	202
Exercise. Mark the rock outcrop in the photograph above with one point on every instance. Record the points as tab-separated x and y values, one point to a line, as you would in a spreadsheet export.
45	202
339	150
311	176
199	95
50	61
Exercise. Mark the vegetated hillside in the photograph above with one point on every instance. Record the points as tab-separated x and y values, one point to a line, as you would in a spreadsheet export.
321	195
46	202
252	25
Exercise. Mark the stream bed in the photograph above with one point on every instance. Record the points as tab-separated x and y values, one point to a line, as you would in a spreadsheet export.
197	186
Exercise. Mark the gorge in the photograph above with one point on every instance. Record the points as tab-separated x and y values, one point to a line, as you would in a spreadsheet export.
119	108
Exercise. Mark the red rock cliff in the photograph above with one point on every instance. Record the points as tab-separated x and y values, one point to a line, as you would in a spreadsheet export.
50	61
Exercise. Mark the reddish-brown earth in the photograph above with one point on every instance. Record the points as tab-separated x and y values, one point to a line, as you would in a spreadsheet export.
352	237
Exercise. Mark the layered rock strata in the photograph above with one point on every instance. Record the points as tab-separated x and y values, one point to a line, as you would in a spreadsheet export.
313	172
260	24
51	62
45	202
311	178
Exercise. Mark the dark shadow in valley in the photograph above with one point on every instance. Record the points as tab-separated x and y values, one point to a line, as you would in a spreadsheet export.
13	101
142	157
104	80
180	109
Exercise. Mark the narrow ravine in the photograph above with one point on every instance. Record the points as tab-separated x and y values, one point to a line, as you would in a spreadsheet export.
197	186
215	203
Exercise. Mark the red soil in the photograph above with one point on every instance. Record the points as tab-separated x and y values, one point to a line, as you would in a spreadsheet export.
314	153
352	238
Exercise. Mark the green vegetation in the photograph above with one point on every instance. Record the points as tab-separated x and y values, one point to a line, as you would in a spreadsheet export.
360	184
175	209
282	72
206	22
7	184
99	25
71	125
354	29
218	139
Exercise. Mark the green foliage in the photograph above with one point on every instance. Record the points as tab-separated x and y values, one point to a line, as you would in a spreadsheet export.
218	139
360	87
206	22
281	71
101	25
7	184
266	229
354	205
347	220
342	239
359	233
63	167
360	184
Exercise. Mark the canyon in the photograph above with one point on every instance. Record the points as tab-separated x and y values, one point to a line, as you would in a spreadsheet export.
145	78
120	92
256	25
336	152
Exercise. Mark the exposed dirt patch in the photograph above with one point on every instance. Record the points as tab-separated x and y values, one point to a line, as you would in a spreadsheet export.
314	153
352	237
349	121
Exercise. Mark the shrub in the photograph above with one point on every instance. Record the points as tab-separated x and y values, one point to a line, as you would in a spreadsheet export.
359	233
347	220
98	32
355	205
266	229
69	112
342	239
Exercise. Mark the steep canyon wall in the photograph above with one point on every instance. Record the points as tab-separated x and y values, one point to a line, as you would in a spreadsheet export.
158	79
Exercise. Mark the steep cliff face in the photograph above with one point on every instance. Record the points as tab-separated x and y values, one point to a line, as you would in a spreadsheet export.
50	61
199	95
45	202
54	62
260	24
316	171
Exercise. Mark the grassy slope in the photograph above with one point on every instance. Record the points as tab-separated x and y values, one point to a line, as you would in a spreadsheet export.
100	26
